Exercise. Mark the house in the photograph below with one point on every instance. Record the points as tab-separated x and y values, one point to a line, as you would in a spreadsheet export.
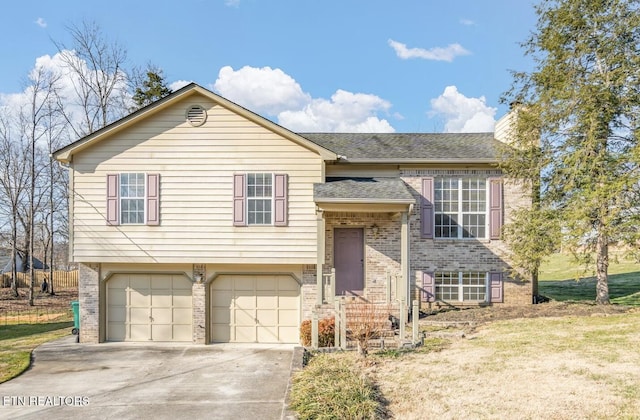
195	219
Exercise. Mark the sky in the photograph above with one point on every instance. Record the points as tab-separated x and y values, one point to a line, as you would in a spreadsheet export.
311	66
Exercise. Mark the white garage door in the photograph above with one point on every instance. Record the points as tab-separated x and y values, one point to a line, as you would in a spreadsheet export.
149	307
255	309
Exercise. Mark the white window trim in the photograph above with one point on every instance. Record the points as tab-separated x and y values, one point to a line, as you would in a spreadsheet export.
272	200
143	198
460	287
460	213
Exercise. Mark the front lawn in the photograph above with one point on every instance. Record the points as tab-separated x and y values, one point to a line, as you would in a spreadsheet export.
569	367
562	279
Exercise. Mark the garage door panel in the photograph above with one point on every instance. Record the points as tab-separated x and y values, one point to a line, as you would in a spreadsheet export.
140	332
139	281
162	315
267	334
182	298
267	283
249	308
288	284
143	307
222	298
266	301
163	282
161	332
182	333
288	302
164	299
182	316
117	314
116	331
139	315
245	300
221	316
243	317
181	283
244	283
117	296
221	333
267	316
139	297
245	335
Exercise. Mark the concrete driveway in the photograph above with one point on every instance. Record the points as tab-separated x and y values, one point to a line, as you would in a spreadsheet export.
150	381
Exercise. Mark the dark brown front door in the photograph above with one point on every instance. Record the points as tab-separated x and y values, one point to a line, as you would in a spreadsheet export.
348	258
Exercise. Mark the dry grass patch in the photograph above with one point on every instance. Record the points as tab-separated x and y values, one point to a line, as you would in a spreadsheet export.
561	368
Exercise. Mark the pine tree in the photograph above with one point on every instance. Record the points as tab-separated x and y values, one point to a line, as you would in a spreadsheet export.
152	89
575	132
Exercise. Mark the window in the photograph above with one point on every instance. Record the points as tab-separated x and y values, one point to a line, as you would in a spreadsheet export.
461	286
460	207
133	198
259	198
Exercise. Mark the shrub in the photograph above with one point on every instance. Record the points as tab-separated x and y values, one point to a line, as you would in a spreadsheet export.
326	332
333	387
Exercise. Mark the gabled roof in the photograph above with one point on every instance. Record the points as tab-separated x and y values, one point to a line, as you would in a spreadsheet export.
65	154
362	190
410	147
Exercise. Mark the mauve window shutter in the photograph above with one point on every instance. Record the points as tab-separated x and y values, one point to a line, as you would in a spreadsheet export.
426	209
495	208
496	287
239	199
113	199
280	200
428	287
153	199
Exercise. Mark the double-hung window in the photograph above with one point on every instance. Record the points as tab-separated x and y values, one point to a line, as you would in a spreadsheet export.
259	199
132	188
133	199
460	207
461	286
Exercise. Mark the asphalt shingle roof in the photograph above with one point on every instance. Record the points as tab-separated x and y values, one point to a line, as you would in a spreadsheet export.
363	190
409	146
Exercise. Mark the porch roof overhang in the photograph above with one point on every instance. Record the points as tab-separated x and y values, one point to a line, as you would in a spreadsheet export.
363	195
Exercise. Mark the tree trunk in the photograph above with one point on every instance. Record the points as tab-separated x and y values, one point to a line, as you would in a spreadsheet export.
602	268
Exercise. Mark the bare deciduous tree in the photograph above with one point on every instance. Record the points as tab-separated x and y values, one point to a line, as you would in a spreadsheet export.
97	73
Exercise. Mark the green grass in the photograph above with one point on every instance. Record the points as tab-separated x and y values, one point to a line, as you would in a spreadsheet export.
562	279
17	341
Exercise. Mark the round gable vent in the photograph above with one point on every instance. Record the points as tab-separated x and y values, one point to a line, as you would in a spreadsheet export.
196	115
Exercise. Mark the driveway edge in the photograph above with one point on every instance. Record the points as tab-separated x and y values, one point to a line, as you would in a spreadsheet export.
296	366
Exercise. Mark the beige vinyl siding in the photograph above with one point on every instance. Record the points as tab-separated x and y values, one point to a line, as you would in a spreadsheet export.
196	167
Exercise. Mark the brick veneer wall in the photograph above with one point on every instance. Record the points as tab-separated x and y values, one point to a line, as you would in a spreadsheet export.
198	303
382	250
89	298
433	255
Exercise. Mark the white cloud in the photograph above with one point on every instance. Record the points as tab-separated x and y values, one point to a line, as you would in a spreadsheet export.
437	53
232	3
467	22
178	84
344	112
41	22
272	92
263	90
463	114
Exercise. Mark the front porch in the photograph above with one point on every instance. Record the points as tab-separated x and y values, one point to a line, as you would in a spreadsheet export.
363	251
